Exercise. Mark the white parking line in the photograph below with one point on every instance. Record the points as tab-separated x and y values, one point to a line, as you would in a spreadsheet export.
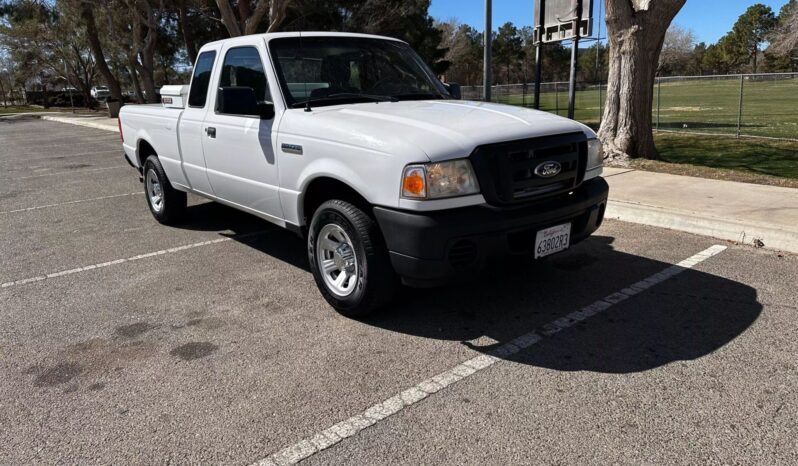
73	171
28	209
62	273
72	144
380	411
118	150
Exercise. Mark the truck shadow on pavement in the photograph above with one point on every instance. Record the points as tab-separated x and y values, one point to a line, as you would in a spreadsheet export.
684	318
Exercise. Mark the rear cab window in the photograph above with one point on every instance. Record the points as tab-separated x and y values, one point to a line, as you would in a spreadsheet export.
201	80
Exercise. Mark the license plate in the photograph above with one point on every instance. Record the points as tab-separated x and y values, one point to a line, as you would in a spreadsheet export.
551	240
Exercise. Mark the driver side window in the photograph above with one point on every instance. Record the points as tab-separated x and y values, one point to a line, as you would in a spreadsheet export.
242	67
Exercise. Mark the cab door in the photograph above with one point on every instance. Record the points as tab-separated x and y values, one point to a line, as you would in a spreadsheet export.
239	154
191	124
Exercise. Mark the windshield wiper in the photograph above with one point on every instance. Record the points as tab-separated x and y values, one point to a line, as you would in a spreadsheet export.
419	96
345	96
374	97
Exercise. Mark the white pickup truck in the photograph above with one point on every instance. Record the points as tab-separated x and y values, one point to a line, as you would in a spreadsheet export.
351	141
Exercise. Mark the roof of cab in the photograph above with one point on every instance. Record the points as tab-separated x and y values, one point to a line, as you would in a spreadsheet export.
277	35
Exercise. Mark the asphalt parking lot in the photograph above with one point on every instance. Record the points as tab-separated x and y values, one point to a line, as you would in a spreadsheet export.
124	341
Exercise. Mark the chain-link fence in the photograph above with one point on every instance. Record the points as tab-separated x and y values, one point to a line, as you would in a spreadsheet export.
752	105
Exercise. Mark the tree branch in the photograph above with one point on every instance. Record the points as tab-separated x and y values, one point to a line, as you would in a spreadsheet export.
229	18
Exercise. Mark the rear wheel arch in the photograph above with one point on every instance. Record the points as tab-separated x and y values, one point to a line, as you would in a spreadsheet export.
143	150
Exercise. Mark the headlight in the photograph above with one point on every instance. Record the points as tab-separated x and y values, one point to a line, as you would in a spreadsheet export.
595	154
439	180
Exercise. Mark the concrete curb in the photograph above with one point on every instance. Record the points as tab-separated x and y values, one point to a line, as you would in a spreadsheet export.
81	122
700	224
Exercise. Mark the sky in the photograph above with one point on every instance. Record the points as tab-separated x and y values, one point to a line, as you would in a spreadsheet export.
709	19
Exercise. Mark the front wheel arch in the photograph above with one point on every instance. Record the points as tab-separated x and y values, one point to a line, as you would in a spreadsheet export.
323	189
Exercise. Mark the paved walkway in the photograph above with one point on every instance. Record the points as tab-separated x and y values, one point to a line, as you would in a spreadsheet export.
92	121
763	216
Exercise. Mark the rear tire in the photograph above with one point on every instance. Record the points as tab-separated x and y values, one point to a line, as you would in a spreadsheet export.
166	204
349	260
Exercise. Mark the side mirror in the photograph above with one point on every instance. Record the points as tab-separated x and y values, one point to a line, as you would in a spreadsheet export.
455	90
266	110
239	100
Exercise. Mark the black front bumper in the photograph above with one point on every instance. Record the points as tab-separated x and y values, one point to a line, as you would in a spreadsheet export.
428	248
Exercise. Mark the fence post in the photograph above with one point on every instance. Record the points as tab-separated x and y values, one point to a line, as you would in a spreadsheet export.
659	93
557	98
740	107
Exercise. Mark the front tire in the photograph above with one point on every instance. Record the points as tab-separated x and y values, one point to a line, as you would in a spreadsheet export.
167	204
349	259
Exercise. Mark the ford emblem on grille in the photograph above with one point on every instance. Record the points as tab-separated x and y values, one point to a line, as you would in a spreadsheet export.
548	169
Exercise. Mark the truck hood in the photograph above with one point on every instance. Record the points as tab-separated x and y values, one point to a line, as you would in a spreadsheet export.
442	129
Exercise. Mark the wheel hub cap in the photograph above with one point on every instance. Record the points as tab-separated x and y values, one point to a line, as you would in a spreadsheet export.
335	255
154	190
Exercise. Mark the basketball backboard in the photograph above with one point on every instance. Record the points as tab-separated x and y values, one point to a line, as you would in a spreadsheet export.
559	18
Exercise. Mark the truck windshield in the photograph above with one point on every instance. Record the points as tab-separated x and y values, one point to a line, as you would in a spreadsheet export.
336	70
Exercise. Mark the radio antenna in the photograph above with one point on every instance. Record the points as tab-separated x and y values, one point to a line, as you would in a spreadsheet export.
304	78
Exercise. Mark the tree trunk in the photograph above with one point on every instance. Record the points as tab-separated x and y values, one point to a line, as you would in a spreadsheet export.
3	93
635	31
87	14
185	30
45	100
147	72
756	53
134	78
145	39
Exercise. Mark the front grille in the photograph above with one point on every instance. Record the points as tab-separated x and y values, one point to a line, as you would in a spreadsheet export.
507	171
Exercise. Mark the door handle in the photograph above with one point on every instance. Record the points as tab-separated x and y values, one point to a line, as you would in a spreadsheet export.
211	131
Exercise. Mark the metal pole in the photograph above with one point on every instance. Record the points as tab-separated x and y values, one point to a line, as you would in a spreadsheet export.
556	97
740	107
659	92
69	88
487	78
574	57
539	52
598	65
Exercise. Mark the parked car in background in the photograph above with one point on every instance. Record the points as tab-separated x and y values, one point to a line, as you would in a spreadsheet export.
100	92
351	141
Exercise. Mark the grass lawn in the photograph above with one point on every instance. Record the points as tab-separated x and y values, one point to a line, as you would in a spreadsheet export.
727	158
770	107
27	109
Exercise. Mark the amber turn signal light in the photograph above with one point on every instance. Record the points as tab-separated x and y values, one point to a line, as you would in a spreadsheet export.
414	182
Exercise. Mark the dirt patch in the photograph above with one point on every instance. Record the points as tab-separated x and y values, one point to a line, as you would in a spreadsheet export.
208	323
194	350
61	373
133	330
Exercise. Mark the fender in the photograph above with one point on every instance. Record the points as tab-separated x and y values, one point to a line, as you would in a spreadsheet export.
337	170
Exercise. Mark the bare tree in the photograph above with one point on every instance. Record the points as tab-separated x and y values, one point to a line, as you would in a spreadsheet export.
636	32
784	39
250	15
677	49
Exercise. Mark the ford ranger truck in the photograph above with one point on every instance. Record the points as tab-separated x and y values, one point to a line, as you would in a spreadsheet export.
351	141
